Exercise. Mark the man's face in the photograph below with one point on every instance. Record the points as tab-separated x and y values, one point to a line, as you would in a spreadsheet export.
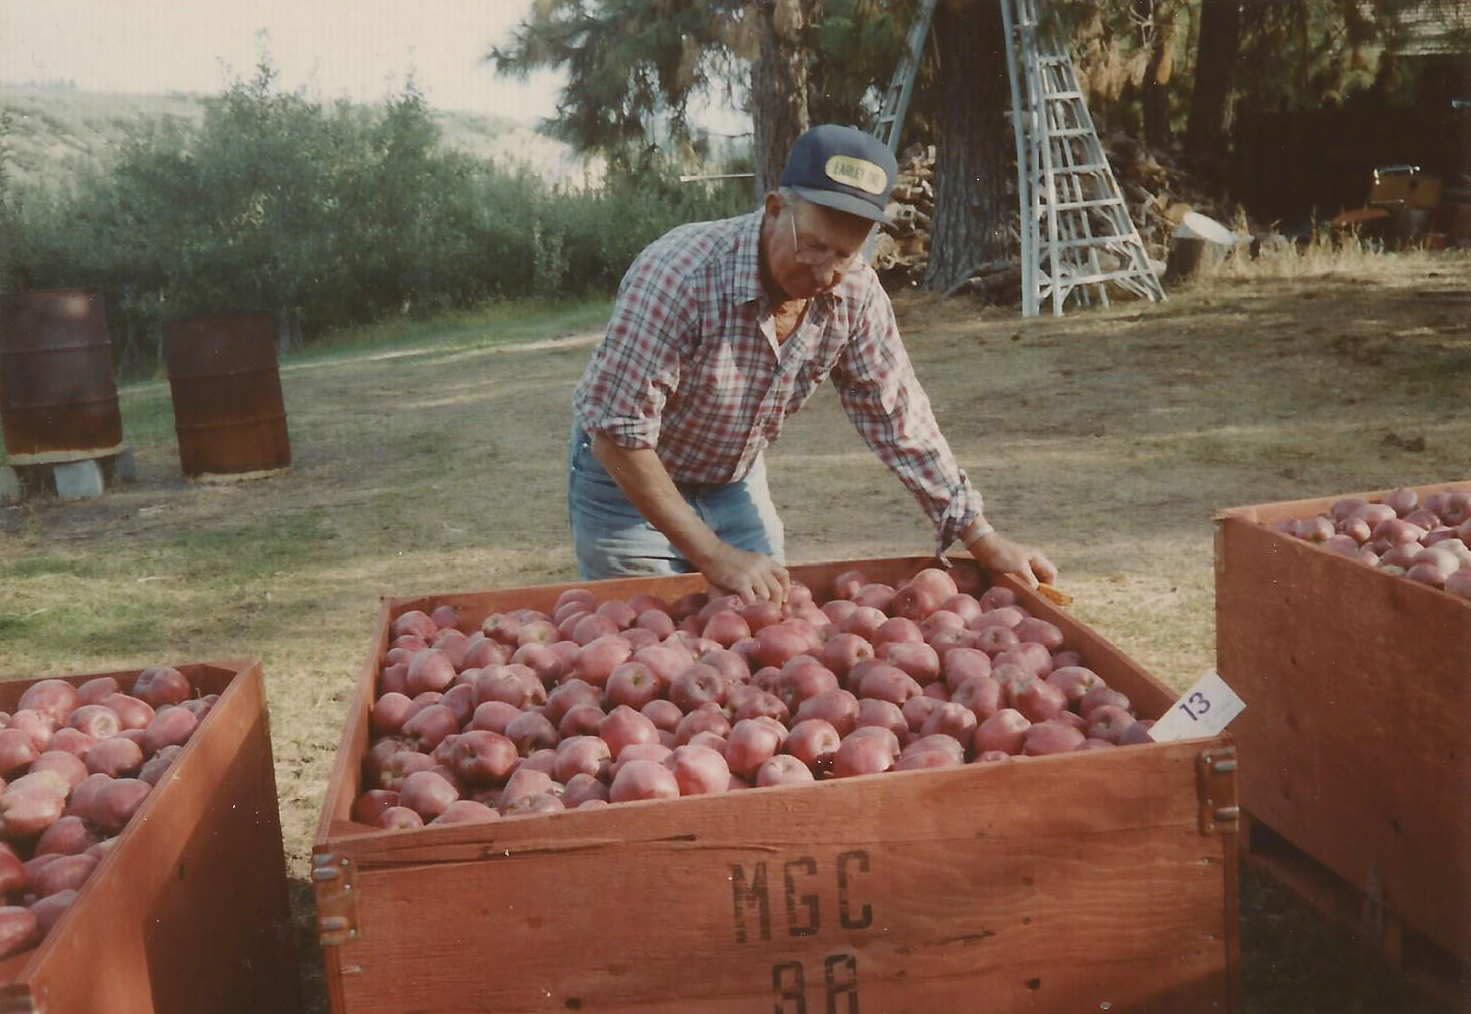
810	248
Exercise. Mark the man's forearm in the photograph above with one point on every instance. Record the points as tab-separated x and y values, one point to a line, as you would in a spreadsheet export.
646	483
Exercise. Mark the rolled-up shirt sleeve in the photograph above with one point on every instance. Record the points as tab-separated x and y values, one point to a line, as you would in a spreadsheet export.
890	410
635	368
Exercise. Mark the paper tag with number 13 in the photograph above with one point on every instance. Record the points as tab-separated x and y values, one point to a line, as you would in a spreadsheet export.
1203	710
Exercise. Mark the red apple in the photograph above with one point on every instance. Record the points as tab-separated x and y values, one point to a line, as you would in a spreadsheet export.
875	595
883	715
750	744
428	794
531	731
161	685
53	698
170	727
708	718
1003	731
863	621
665	715
582	787
698	685
887	683
839	708
623	727
866	751
117	802
1099	696
431	669
115	757
643	779
599	657
813	741
94	690
524	782
1051	737
848	583
917	709
655	620
782	769
424	730
699	770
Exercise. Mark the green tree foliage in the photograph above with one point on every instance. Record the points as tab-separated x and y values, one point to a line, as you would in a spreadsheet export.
634	63
627	61
1289	54
325	216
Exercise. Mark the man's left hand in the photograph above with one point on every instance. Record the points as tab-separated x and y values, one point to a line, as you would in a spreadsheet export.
999	555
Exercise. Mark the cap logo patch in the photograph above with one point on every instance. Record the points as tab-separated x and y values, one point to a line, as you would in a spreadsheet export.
857	172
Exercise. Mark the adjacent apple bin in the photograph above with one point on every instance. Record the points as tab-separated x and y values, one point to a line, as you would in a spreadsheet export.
189	913
1354	744
1098	881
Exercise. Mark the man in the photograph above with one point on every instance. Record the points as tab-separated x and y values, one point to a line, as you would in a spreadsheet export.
720	332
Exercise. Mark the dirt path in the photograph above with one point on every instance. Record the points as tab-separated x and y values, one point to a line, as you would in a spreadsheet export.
1109	437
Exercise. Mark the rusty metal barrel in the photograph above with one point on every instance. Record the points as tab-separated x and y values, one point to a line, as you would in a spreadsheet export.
58	396
228	410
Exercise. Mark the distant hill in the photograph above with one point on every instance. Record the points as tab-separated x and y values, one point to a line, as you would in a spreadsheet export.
53	130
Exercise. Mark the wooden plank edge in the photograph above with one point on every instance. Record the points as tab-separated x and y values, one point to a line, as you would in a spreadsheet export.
1292	544
1263	513
342	783
1435	972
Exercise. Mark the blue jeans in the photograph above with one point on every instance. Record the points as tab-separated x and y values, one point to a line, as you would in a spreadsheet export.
613	539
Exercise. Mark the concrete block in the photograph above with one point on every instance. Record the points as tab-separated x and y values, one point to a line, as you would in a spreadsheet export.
9	485
78	480
124	467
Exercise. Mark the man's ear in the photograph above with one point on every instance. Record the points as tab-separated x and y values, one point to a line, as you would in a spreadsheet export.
773	203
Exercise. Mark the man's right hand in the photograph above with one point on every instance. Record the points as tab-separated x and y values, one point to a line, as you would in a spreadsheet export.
755	577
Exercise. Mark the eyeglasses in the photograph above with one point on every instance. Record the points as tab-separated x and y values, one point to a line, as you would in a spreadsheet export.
816	258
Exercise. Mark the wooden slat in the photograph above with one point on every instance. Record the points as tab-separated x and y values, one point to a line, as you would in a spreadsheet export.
189	912
1353	743
1268	513
997	881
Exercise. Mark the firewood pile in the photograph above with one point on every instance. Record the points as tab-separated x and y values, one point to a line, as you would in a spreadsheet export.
1157	190
901	251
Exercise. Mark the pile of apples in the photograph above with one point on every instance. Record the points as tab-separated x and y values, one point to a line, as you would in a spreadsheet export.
643	699
1428	542
75	764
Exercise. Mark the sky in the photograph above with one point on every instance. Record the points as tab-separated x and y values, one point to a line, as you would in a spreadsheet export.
360	49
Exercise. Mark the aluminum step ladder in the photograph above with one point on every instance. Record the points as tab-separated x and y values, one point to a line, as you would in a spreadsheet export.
890	123
1076	234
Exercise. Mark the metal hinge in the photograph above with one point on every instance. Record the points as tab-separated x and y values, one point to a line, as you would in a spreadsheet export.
1219	543
337	902
1216	789
18	1004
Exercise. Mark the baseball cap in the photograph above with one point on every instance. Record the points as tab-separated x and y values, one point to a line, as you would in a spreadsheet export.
842	168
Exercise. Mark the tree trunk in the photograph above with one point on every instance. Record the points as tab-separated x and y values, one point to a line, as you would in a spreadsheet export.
1153	91
778	88
973	204
1209	127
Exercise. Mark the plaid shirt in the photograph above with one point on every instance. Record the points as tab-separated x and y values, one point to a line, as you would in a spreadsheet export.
691	367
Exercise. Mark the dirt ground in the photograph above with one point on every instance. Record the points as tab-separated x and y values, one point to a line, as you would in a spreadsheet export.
1108	437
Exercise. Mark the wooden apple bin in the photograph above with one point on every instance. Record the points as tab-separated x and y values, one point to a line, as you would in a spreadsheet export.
1354	741
1092	881
188	914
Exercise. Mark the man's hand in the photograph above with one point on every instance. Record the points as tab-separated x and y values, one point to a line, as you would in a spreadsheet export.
998	554
753	576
